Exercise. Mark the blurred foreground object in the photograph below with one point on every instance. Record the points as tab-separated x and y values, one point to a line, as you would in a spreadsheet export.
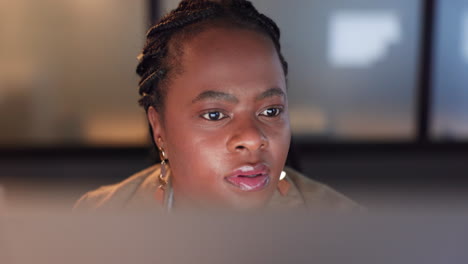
291	237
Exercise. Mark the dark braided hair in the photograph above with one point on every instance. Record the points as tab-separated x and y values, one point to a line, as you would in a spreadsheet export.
158	61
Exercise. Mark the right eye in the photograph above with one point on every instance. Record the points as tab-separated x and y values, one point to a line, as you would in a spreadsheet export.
213	116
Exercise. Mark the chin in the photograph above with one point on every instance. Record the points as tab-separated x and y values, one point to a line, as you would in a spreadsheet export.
249	201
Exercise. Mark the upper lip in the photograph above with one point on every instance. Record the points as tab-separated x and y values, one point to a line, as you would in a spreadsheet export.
249	169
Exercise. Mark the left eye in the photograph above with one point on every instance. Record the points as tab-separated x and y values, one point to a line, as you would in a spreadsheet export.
214	116
271	112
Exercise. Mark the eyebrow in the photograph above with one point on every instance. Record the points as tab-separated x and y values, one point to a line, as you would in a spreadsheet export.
216	96
270	93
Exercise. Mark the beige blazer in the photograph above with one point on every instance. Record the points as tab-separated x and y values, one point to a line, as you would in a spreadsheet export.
137	192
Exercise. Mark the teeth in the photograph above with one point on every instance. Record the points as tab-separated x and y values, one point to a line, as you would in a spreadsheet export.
246	168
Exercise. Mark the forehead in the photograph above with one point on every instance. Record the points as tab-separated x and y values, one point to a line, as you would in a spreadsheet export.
225	57
212	41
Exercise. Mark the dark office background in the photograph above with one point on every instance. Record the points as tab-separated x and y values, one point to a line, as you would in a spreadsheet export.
378	95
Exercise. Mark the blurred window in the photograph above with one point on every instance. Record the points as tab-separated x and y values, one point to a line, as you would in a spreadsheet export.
67	72
450	72
67	69
353	66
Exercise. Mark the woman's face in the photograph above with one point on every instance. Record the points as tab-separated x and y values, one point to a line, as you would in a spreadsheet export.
226	128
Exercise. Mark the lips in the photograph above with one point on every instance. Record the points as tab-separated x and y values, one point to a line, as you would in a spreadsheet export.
249	178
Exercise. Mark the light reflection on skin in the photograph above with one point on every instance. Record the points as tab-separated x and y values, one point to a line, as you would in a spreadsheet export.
235	77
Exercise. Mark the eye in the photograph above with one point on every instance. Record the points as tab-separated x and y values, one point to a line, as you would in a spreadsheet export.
213	116
271	112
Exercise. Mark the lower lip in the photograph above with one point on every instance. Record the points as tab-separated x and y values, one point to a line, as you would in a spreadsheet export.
249	184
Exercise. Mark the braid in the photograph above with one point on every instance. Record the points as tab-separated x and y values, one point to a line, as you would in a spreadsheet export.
156	61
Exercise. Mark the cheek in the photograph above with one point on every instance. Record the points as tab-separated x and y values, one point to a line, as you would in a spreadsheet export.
279	140
196	156
198	170
187	142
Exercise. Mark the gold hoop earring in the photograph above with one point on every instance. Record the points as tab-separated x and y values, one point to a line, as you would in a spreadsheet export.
164	192
163	178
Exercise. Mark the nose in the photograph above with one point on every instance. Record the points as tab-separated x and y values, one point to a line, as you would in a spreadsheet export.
247	136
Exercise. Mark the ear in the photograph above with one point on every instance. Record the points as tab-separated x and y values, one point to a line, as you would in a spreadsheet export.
155	120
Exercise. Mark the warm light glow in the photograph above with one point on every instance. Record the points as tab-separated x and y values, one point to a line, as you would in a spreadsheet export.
126	129
308	119
361	38
67	72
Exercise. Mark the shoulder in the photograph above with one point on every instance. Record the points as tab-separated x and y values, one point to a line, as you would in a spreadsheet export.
317	195
117	195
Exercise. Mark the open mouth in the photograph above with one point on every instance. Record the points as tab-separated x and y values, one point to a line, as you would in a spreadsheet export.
249	179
